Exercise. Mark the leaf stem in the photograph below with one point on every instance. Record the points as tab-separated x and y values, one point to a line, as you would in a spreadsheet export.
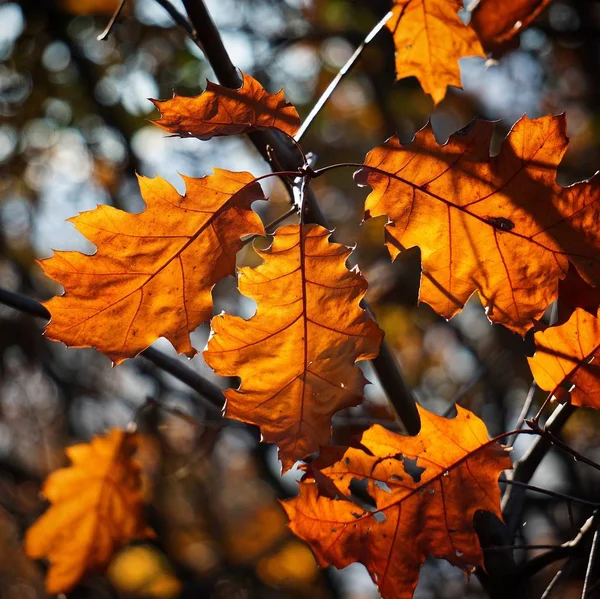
338	78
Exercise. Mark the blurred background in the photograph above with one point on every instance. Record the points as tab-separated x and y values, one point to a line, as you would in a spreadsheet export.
74	129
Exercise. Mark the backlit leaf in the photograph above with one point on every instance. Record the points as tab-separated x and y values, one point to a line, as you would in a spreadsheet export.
426	490
223	111
567	357
497	21
296	356
498	225
96	509
430	38
153	272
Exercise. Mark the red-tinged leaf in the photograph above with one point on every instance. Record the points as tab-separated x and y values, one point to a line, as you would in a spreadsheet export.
500	226
223	111
426	490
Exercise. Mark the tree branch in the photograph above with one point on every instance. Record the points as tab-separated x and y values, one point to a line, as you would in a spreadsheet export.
210	395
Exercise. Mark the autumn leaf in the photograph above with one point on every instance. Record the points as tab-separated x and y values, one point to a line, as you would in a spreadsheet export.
430	38
296	356
96	508
566	357
498	21
153	272
426	490
574	292
498	225
223	111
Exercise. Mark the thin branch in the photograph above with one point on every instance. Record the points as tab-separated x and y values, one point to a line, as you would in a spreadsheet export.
588	571
180	19
561	444
338	78
210	395
524	410
112	21
558	495
524	469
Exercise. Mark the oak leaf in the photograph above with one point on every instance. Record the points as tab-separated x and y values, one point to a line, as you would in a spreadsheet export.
498	21
566	358
97	507
430	38
153	272
426	490
296	356
497	225
224	111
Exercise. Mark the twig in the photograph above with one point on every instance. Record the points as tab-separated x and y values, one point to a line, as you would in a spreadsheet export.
512	502
561	444
179	18
588	571
568	498
338	78
524	411
112	21
210	395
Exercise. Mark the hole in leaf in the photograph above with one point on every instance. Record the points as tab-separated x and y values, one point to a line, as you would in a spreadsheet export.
383	486
414	471
380	516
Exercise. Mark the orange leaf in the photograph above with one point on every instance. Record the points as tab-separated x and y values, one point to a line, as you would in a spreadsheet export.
430	39
498	225
96	508
296	355
426	490
498	21
153	272
567	357
223	111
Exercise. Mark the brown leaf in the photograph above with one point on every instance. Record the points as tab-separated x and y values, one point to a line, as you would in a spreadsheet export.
498	225
498	21
223	111
426	490
566	358
296	356
96	508
153	272
430	39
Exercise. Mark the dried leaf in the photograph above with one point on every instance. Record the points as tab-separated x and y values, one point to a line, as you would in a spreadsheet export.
498	21
153	272
566	357
223	111
96	509
498	225
426	490
430	39
296	356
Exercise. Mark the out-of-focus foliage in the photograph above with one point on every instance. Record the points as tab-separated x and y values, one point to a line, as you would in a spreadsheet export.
73	131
